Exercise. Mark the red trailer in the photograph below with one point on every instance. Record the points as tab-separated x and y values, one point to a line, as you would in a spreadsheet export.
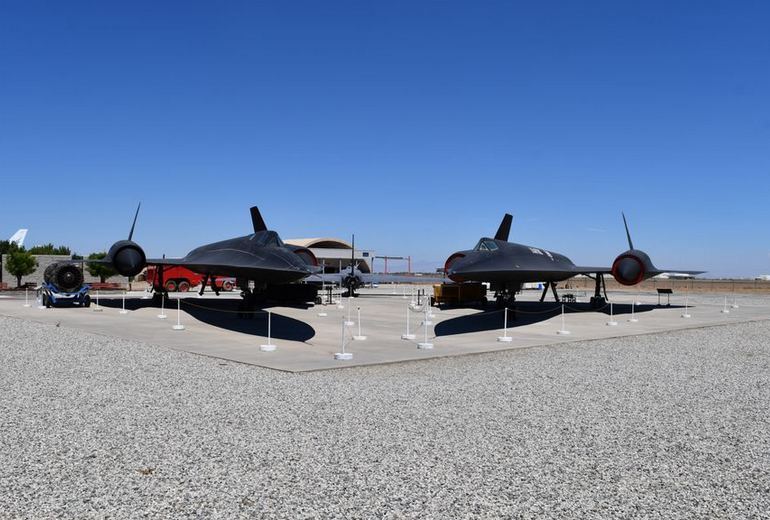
182	279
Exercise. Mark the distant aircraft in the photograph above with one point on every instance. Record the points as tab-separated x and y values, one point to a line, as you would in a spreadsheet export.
18	237
257	261
675	276
506	266
352	278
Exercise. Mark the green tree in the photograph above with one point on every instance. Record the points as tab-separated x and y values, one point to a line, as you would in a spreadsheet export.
49	249
101	270
20	263
6	247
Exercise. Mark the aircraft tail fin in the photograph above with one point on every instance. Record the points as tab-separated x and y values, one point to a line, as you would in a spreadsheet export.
505	228
18	237
257	220
133	225
628	235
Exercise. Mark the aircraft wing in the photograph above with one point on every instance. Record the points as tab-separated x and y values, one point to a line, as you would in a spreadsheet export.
608	270
234	269
581	269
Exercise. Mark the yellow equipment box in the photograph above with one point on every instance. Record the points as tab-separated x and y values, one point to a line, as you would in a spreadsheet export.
459	293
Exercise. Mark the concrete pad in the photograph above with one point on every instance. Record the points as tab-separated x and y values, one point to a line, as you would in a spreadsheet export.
306	341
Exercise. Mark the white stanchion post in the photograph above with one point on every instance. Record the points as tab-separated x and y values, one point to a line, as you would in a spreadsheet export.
612	321
403	297
349	322
269	347
686	314
162	314
505	338
725	310
340	305
426	318
633	318
178	325
322	313
97	307
26	298
123	309
408	334
563	331
359	337
343	356
425	345
735	301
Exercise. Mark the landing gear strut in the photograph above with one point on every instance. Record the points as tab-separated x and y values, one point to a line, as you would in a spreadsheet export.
597	300
251	299
506	298
552	285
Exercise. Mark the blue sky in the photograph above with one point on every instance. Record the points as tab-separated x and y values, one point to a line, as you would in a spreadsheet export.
415	125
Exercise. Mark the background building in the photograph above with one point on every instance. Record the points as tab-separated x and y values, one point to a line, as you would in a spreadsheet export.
334	253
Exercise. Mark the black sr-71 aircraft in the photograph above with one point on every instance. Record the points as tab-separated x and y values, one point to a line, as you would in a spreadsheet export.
259	261
506	266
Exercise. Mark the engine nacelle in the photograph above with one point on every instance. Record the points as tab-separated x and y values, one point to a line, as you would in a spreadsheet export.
65	277
127	258
448	264
307	256
632	267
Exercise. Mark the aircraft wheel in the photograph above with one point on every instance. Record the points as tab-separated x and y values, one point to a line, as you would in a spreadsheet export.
87	301
183	286
171	286
46	301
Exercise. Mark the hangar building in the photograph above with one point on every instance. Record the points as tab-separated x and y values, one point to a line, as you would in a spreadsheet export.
334	253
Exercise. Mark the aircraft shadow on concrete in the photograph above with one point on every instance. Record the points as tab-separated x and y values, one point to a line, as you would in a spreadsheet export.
223	313
528	313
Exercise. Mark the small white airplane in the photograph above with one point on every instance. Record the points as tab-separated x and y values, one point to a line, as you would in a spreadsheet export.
18	237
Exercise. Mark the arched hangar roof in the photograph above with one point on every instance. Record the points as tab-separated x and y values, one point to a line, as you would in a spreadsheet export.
320	242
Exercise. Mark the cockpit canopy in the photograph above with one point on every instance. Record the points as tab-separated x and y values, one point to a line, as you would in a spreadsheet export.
486	244
267	239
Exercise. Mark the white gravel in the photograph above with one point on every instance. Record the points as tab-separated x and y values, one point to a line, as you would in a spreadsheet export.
664	426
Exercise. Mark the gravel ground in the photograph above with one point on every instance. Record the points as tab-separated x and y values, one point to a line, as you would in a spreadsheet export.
662	426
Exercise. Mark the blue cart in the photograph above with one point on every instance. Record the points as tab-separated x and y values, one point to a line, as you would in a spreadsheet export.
50	296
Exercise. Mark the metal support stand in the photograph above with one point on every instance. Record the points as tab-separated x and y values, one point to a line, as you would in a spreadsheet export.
97	307
178	325
343	356
123	309
408	334
162	314
505	338
563	331
633	318
269	347
359	336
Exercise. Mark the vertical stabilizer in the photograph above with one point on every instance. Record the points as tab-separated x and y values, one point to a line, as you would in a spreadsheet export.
18	237
257	221
505	228
628	234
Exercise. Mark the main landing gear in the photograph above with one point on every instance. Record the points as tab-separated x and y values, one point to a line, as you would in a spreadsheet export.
552	286
597	300
252	299
505	297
